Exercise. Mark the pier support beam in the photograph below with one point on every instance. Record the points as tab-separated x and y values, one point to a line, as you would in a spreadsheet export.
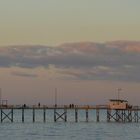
97	115
44	114
65	110
7	115
86	115
62	116
33	114
54	115
23	115
76	115
108	115
123	115
12	115
129	117
136	117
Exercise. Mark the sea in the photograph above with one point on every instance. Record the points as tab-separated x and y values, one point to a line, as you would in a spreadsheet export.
69	130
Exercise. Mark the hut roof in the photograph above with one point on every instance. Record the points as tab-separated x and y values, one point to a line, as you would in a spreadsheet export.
117	100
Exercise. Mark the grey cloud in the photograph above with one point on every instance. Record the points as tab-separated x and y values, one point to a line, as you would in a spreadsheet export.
24	74
119	60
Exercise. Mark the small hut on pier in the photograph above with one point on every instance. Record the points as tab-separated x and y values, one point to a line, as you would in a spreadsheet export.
118	104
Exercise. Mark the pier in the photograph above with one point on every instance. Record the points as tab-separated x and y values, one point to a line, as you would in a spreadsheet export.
60	113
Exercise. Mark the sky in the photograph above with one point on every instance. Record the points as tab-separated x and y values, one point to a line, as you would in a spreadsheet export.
52	22
87	49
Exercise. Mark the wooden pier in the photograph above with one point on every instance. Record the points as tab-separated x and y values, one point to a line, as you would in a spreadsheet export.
60	113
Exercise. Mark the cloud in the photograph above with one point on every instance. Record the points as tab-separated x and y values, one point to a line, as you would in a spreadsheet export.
24	74
118	60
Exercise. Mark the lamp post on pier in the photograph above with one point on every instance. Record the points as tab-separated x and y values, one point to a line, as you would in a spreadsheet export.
0	97
55	97
119	90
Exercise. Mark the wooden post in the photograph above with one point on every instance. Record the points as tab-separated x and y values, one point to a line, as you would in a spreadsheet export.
44	114
117	115
136	115
12	115
65	110
129	116
33	114
123	116
23	115
1	116
97	115
76	115
108	115
86	115
54	115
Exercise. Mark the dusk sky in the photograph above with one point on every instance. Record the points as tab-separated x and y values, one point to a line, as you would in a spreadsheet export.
87	49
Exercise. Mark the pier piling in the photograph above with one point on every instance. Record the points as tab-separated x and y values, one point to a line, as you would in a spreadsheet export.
12	115
76	115
86	115
23	115
65	110
97	115
33	114
44	114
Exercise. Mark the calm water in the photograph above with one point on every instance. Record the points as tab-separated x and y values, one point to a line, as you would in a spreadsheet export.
67	131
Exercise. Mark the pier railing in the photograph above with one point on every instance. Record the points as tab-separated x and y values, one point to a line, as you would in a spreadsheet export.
54	106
